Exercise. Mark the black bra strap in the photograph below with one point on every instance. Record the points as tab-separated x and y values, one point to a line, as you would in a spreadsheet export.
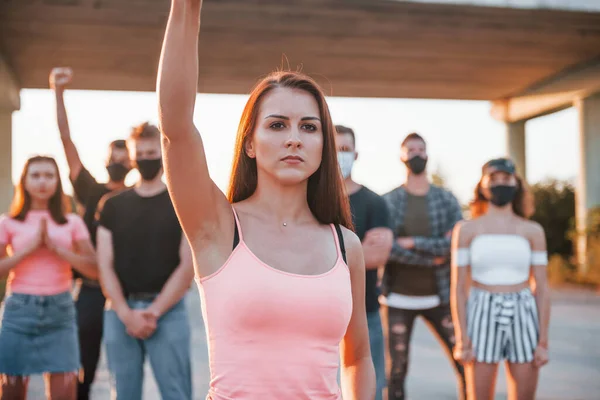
236	234
341	240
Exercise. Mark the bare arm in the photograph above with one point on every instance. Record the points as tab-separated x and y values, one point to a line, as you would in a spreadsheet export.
82	258
178	283
357	371
377	248
542	291
111	287
8	262
459	287
58	79
201	207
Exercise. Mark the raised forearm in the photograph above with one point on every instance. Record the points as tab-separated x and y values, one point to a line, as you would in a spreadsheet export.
358	380
69	148
178	70
61	116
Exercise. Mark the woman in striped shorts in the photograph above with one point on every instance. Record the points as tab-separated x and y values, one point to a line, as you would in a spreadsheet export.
501	255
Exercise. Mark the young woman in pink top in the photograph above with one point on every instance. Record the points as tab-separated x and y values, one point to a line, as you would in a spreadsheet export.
278	299
39	243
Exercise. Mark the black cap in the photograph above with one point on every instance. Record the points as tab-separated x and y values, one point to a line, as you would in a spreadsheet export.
499	164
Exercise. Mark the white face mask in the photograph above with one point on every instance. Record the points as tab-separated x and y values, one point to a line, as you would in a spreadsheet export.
346	160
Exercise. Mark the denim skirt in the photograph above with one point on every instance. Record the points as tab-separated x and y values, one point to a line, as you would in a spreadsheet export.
38	334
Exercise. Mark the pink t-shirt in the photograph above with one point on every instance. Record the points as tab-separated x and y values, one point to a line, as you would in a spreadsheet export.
42	272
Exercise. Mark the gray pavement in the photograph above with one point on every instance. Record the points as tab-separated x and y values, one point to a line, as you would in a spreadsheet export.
572	374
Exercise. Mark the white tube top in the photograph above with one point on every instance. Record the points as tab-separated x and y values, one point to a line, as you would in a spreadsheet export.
499	259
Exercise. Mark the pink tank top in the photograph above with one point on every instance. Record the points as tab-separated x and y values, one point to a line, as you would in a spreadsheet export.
274	334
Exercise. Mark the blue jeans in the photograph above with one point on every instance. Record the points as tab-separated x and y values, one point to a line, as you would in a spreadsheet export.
168	349
377	351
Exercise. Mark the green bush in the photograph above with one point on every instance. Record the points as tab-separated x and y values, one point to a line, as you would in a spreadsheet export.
2	288
555	211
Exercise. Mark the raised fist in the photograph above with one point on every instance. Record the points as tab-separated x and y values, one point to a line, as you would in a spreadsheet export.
60	77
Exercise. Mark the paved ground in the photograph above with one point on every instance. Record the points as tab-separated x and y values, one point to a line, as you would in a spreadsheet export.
573	373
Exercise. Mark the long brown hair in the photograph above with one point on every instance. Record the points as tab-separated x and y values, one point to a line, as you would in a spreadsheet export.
326	194
21	204
479	205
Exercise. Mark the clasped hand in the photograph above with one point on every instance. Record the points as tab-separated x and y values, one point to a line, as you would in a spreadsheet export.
140	323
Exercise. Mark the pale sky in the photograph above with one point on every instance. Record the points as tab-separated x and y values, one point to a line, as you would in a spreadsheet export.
461	135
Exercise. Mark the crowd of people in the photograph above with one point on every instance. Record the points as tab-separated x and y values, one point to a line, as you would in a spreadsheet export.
310	283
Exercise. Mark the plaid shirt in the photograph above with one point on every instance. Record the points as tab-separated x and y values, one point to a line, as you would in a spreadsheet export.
444	212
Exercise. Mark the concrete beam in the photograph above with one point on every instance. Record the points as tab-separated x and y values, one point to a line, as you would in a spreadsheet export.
10	98
10	101
553	94
6	183
588	185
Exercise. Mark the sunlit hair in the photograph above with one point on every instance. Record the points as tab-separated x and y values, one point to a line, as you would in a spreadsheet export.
144	131
57	205
521	204
412	136
326	194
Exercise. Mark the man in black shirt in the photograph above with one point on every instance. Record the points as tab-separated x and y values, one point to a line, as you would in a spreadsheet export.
90	301
369	214
145	270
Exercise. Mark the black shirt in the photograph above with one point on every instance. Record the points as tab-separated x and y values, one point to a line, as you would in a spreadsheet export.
146	238
88	192
369	211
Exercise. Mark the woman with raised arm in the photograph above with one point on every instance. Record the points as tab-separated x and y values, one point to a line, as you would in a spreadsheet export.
39	243
278	298
506	315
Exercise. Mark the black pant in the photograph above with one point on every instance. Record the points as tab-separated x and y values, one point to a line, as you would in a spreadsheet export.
90	317
400	326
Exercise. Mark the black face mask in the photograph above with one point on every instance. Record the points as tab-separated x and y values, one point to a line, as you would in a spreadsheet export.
149	168
416	164
117	172
502	194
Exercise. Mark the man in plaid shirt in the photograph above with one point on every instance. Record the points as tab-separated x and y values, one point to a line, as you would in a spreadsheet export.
416	281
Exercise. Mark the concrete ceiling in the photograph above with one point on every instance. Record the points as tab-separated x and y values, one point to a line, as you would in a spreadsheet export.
359	48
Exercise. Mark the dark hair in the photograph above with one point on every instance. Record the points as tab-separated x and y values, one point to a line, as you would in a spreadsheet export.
145	131
344	130
21	204
412	136
326	194
118	144
479	204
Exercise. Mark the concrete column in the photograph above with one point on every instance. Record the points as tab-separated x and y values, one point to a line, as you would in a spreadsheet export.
6	185
588	183
9	101
515	146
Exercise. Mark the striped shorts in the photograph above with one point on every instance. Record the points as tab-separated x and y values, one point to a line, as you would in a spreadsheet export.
502	325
